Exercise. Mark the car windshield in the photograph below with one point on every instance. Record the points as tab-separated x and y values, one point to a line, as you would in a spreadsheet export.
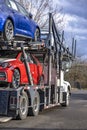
22	9
8	54
13	5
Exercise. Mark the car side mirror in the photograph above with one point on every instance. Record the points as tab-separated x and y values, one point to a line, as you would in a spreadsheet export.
30	16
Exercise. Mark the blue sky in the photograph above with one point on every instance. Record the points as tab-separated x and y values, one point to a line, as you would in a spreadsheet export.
75	23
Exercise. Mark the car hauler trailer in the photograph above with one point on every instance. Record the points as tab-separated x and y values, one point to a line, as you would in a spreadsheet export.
52	90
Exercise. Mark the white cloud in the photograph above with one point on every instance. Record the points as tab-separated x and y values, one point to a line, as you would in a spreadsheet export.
81	37
63	3
69	18
75	23
75	28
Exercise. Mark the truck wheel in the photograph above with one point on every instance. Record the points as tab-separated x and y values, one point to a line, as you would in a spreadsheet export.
34	110
67	98
23	110
8	30
16	78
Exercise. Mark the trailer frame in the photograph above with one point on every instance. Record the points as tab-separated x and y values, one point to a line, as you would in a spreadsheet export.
30	99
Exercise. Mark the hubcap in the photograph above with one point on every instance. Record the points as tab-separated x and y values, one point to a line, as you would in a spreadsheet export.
16	78
35	104
23	106
9	30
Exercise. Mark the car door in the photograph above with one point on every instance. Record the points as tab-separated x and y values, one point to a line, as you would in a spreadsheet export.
13	12
39	68
22	23
25	24
33	69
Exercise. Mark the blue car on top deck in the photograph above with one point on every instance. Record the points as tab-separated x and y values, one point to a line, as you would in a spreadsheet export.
16	22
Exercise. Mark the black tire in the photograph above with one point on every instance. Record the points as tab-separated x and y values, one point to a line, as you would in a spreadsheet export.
16	78
67	98
23	110
37	35
34	110
8	30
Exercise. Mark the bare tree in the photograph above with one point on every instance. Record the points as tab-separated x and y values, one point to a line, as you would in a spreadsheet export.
40	10
77	74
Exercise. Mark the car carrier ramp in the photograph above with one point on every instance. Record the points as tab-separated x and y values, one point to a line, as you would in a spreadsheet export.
4	119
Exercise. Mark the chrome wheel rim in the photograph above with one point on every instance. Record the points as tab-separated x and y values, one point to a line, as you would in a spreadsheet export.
9	30
35	104
16	79
23	106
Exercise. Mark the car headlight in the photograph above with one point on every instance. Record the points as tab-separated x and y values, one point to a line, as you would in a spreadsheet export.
5	65
3	76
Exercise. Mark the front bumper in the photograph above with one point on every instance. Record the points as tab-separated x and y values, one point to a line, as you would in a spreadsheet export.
3	76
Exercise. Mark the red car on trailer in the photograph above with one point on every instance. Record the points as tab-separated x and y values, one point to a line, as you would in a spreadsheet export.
12	68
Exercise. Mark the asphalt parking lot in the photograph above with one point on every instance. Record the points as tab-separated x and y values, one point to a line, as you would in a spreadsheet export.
73	117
